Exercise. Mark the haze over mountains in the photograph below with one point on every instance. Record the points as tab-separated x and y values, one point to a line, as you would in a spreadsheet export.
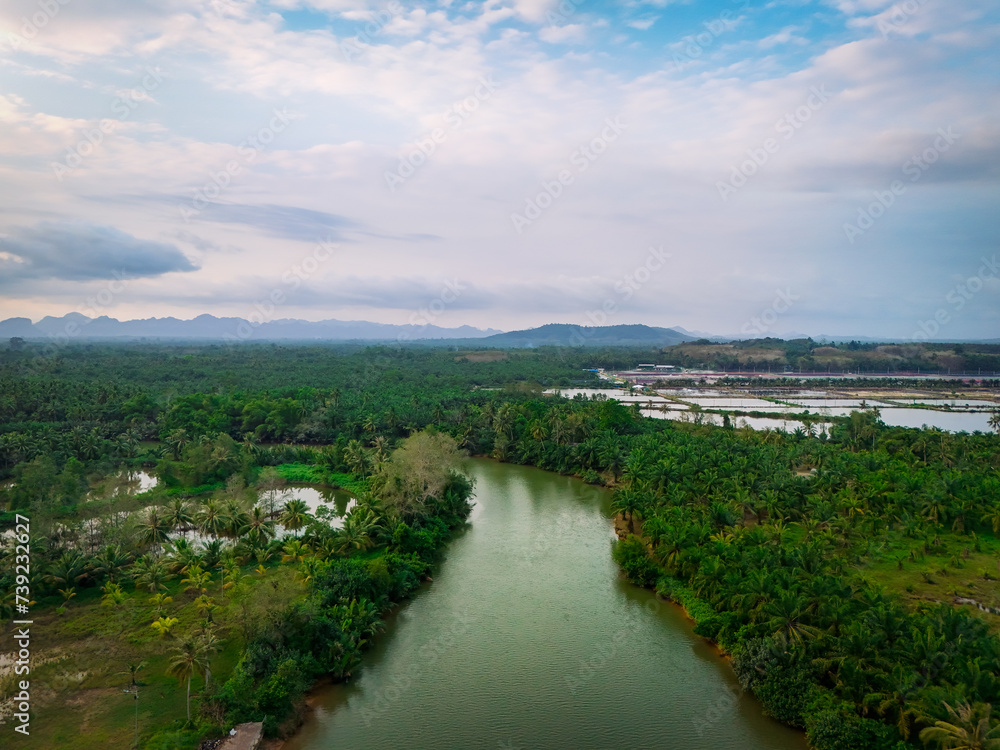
210	328
76	326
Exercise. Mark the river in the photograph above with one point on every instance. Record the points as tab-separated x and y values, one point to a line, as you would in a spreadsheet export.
528	638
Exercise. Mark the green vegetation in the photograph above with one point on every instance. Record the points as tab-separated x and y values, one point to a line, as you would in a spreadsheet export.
852	578
806	355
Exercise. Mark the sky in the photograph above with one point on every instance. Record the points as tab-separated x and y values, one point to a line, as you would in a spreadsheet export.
733	167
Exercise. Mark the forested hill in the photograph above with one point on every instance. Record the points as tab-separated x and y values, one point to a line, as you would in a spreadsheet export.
562	334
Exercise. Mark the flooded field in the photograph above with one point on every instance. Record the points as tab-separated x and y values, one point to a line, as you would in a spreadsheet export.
898	408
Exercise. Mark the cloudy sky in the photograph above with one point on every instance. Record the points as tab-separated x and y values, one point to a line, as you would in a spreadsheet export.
815	166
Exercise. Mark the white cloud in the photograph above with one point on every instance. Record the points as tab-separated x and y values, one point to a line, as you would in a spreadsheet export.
573	33
655	184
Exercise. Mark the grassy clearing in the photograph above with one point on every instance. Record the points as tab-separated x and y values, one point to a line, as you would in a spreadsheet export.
955	566
82	660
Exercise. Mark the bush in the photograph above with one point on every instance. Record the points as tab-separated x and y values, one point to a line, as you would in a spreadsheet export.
631	556
834	730
783	693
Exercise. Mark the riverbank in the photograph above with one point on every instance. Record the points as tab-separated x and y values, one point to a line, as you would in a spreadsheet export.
530	637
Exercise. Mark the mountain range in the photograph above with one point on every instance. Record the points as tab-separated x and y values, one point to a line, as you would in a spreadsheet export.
76	326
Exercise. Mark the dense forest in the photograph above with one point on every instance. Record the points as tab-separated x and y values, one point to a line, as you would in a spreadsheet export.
852	577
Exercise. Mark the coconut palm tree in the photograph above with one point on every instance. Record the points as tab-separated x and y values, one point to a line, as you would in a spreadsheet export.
186	661
163	625
236	518
359	525
181	555
969	728
197	579
295	551
114	595
356	458
209	643
258	528
210	519
176	441
150	574
295	515
627	502
68	570
178	514
109	562
153	529
159	601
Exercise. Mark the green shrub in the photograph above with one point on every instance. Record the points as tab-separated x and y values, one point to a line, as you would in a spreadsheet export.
631	556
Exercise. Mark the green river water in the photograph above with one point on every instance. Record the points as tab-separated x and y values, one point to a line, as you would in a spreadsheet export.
528	638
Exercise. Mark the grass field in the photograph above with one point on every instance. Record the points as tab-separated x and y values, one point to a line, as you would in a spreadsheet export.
81	663
939	571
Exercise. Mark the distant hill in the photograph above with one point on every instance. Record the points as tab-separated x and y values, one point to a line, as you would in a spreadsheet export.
75	326
563	334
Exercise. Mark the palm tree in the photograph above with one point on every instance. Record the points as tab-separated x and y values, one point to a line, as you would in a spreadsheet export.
159	601
359	525
258	529
294	551
895	702
785	617
197	579
150	574
68	570
176	441
356	458
108	563
209	644
163	625
205	606
236	519
294	515
994	421
114	595
969	729
178	514
626	502
182	555
211	520
185	661
153	529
